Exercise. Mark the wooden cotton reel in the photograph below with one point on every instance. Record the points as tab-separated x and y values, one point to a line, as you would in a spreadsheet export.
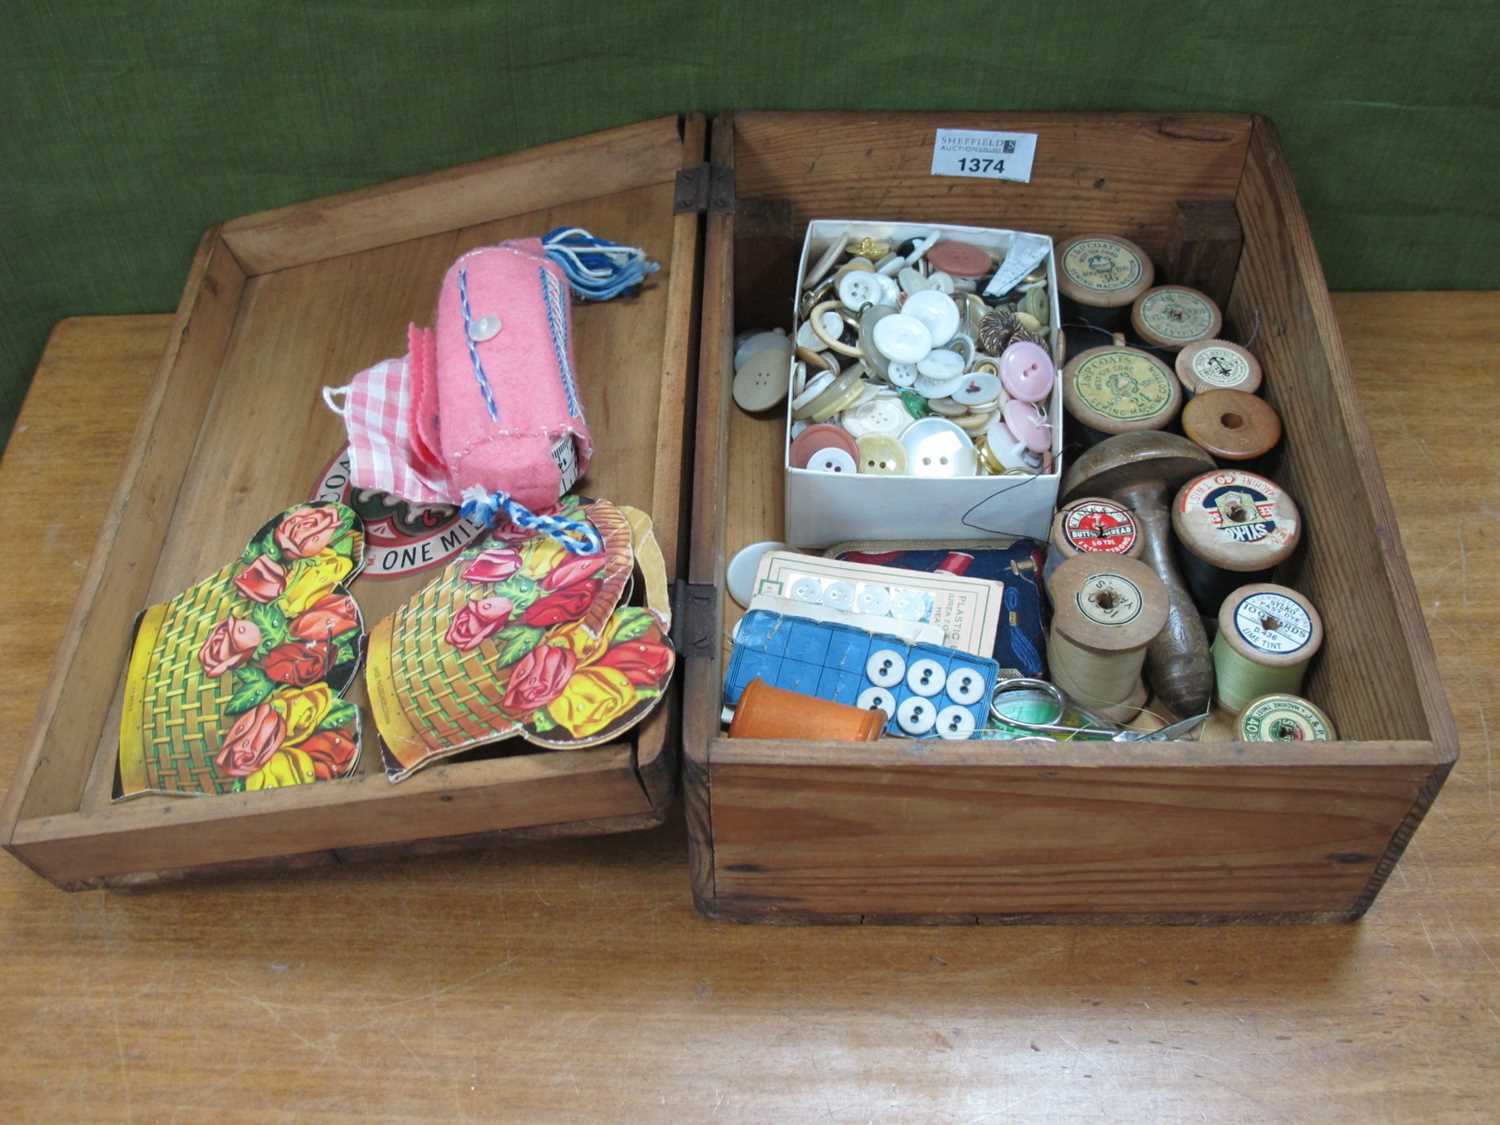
1117	389
1106	610
1232	425
1267	634
1092	525
1233	527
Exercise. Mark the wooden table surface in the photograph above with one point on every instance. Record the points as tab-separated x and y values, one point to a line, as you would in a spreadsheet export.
572	980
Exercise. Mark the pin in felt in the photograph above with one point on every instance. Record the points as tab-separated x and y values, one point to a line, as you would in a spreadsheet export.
484	409
1142	471
1106	610
1267	634
520	638
1233	528
237	683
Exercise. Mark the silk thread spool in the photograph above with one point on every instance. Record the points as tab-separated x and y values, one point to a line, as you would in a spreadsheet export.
1233	528
1092	525
1267	635
1284	718
1106	610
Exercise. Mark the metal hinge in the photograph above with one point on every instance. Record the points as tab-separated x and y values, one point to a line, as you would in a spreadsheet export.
694	622
704	188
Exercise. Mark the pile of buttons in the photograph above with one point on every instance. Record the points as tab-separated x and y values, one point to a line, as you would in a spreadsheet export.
901	366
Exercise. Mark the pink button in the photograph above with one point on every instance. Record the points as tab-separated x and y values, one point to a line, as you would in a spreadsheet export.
824	434
1027	371
1029	424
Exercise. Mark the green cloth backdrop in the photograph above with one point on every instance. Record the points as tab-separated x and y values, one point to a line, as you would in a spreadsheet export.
127	128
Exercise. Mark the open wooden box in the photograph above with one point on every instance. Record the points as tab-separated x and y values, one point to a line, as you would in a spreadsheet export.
950	832
276	306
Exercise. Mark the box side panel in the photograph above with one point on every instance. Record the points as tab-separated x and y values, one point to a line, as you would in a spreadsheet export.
1076	841
1377	674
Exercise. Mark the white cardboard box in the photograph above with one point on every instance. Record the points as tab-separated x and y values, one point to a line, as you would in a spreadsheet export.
827	508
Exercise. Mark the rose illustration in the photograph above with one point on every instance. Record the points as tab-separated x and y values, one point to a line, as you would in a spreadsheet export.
494	565
311	580
541	556
307	531
594	698
477	620
255	736
232	643
330	616
298	662
643	664
537	679
301	710
287	766
573	569
331	752
262	581
568	604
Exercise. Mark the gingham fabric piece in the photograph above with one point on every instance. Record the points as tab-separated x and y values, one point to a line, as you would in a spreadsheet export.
380	454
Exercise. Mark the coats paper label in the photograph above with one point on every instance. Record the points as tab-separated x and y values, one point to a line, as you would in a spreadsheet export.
982	154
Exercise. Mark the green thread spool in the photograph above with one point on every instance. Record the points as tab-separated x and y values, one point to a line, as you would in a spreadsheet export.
1267	634
1284	718
1106	610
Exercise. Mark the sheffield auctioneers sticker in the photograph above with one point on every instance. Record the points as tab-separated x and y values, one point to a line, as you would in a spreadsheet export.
400	538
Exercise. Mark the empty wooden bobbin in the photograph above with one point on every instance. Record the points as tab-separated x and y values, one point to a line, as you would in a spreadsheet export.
1099	277
1117	389
1106	610
1232	425
1217	365
1092	525
1233	528
1267	634
1283	718
1173	316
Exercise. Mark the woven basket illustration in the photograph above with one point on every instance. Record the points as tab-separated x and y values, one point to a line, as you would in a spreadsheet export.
176	719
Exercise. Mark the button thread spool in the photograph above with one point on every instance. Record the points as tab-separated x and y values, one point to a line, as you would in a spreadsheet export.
1107	609
1267	635
1233	528
1092	525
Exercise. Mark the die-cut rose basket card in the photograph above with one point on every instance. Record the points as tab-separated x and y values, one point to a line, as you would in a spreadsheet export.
237	683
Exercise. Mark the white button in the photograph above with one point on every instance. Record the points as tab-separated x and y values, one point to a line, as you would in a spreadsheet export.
947	408
874	600
940	281
937	388
877	699
903	338
979	389
759	342
825	263
878	416
762	382
839	595
937	311
832	459
808	590
890	292
885	667
859	288
815	387
955	723
740	576
911	281
807	338
908	605
797	427
926	676
484	328
940	363
935	447
916	715
901	374
965	686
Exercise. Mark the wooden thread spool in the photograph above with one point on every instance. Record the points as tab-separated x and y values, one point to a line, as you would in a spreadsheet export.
1099	277
1267	634
1217	365
1283	718
1233	528
1232	425
1173	316
1106	610
1117	389
1092	525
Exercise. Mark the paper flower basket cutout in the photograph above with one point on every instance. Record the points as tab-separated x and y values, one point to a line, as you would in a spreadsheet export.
519	638
237	683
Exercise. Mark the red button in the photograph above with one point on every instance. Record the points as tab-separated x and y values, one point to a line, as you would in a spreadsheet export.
821	436
961	259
